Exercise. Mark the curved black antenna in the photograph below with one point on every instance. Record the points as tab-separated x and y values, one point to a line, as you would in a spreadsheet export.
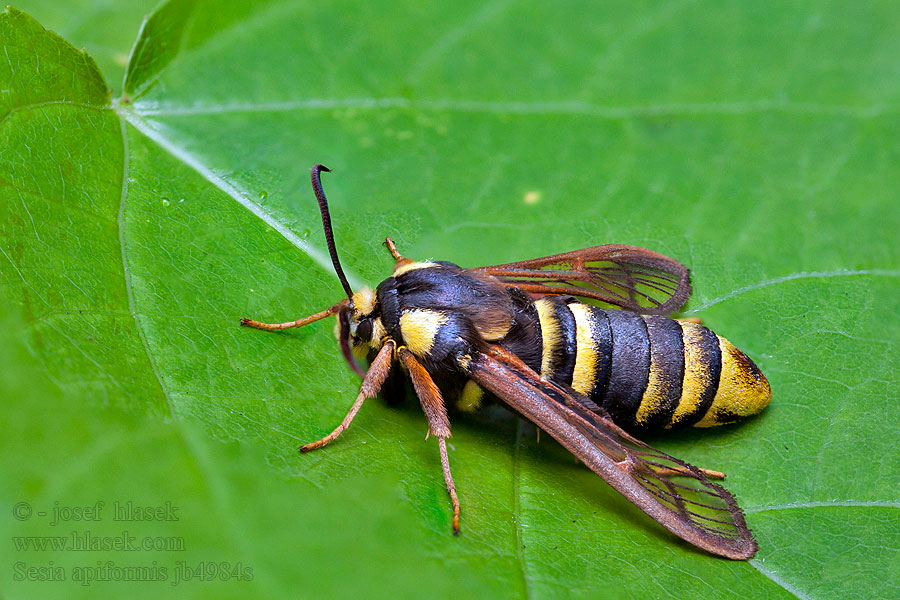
326	223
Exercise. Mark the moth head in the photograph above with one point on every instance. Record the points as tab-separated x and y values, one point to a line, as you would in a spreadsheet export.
363	319
359	324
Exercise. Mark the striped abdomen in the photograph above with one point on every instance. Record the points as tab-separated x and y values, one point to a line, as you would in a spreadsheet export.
648	371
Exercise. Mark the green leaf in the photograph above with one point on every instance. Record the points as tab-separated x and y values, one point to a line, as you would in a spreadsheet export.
105	29
754	142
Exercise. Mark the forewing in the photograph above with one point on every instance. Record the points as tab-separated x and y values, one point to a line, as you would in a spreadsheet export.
674	493
631	277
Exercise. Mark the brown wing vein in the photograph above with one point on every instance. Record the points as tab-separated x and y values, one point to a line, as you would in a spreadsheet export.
630	277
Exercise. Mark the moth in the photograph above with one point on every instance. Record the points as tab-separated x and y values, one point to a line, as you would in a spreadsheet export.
590	377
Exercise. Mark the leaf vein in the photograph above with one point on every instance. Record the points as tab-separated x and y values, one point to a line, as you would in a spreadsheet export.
126	271
36	105
792	277
238	195
824	504
536	108
757	564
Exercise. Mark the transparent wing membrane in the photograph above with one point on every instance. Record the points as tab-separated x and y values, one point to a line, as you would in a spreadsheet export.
630	277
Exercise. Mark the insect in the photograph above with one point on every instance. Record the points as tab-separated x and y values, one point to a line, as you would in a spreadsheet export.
586	375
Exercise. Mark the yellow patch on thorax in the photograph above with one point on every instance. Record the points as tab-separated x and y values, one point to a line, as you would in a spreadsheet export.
495	332
550	334
400	269
419	327
585	374
740	393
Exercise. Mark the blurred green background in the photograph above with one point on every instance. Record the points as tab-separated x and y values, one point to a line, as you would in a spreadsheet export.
155	190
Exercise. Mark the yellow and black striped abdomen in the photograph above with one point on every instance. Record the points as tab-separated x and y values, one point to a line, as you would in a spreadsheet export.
647	371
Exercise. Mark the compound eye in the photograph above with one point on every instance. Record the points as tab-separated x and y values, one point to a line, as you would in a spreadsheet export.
364	330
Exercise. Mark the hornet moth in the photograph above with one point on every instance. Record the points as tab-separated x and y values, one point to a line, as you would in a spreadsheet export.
585	375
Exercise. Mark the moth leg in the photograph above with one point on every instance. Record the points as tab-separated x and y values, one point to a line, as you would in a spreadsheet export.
627	465
694	320
375	376
448	480
298	323
708	472
394	252
401	260
438	422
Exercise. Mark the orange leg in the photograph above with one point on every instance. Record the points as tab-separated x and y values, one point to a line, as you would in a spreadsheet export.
709	473
375	376
694	320
438	422
401	260
390	244
448	480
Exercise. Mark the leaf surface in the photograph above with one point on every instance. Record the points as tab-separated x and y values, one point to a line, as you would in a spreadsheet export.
755	143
